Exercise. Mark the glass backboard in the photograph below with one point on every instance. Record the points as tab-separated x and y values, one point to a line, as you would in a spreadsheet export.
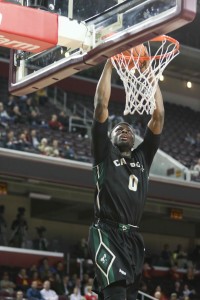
107	27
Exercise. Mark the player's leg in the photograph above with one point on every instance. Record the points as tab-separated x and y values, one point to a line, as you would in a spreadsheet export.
115	291
132	293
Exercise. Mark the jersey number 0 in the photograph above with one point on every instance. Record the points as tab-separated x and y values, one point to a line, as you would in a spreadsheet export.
133	183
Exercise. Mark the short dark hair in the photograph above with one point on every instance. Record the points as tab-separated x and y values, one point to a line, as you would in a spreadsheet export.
120	123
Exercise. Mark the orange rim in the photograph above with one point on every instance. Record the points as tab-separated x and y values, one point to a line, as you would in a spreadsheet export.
160	38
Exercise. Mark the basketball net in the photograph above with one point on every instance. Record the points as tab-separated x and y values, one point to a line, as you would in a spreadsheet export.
140	72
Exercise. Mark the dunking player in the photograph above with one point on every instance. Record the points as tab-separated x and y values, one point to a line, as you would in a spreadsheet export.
121	175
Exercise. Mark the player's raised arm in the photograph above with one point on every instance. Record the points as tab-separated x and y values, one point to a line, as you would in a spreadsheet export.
157	120
102	95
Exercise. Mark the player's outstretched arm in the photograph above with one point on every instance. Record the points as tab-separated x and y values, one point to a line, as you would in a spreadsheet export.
102	95
157	120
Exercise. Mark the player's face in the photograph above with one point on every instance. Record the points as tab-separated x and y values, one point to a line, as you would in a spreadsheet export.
123	137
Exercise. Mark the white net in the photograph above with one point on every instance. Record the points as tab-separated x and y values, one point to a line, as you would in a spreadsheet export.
141	82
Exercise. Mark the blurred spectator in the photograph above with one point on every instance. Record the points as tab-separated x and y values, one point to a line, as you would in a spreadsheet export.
41	243
54	149
190	139
42	96
19	230
30	106
45	268
35	277
188	292
17	116
90	295
22	143
4	117
54	123
63	119
34	118
19	295
11	141
177	289
43	147
33	292
64	286
166	256
76	295
174	273
195	256
196	168
158	294
22	280
180	257
34	140
173	296
6	285
189	277
3	227
47	293
11	102
68	152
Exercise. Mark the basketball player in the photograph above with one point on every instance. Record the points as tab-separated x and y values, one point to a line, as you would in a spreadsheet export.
121	176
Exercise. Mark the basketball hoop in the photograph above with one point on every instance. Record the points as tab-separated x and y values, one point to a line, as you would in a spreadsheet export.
140	69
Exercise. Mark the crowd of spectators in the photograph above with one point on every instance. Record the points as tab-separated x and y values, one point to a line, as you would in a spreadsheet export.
174	276
33	124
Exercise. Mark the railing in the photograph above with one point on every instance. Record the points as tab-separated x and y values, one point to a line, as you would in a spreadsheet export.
145	296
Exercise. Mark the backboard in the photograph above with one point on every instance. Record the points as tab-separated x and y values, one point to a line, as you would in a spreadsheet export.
91	31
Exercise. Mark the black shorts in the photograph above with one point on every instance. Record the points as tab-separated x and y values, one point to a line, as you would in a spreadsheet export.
117	255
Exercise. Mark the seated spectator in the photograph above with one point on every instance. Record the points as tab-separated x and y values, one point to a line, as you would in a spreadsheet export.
6	285
43	147
11	142
64	286
63	119
196	168
158	294
76	295
34	140
173	296
68	152
22	143
35	277
19	295
90	295
54	123
17	116
4	117
47	293
177	289
188	292
22	280
33	292
45	268
34	118
11	102
53	149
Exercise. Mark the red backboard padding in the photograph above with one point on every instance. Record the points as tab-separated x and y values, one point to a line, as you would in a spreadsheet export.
27	28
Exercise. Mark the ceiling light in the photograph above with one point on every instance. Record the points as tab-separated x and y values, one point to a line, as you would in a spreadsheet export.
40	196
